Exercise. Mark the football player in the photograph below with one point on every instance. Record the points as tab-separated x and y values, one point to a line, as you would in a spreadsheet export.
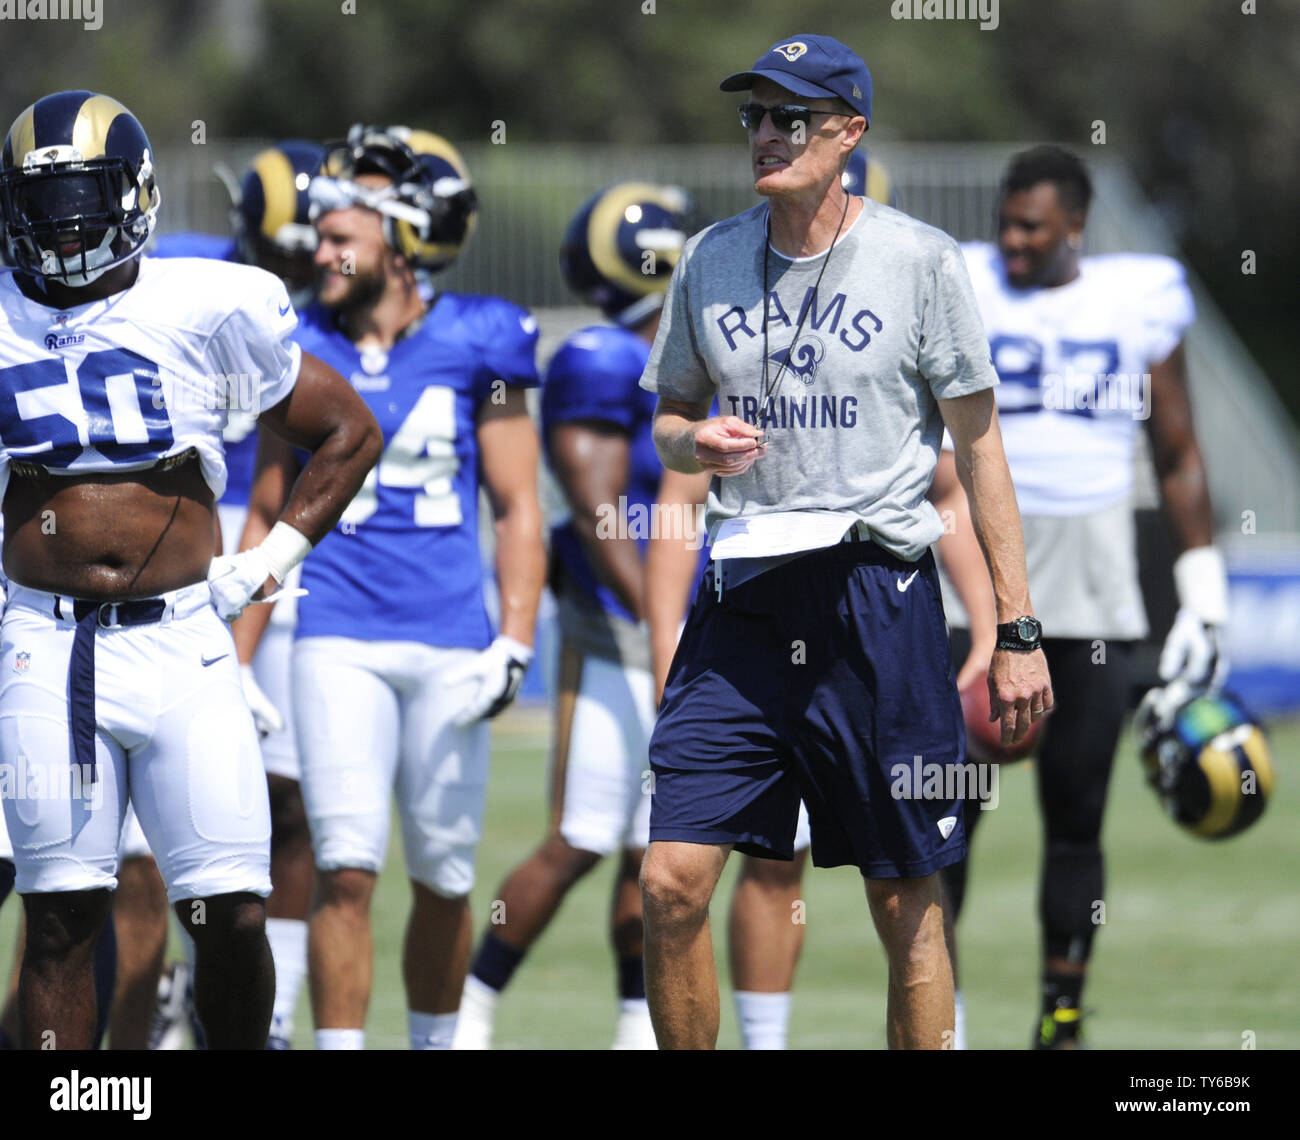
119	680
272	230
1087	348
617	254
395	667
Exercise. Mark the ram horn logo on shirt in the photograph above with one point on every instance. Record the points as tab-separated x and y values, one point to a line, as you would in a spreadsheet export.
802	358
792	50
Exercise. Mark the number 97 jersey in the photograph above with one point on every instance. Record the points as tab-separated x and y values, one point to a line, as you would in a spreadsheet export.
403	563
1075	369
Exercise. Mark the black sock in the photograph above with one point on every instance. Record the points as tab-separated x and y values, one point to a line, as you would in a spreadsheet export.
105	967
1061	991
631	979
495	962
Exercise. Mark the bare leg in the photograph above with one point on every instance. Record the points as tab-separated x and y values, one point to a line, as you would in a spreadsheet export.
140	913
627	930
234	977
908	914
532	893
677	883
765	931
56	990
292	871
435	954
340	951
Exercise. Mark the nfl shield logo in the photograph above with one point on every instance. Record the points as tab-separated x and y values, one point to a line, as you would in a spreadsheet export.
21	661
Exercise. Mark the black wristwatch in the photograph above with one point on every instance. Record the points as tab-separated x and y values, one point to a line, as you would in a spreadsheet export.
1023	635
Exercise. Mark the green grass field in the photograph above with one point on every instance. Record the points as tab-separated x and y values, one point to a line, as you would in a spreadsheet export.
1199	944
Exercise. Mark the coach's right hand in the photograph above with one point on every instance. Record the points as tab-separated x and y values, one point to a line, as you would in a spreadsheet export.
1020	692
725	445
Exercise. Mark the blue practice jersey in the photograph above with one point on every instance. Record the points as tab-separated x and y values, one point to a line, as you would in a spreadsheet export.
240	436
594	377
403	564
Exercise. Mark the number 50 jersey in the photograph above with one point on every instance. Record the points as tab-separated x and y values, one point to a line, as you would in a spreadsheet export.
122	383
403	563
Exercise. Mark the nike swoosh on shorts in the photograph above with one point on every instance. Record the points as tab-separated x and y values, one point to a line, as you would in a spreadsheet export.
902	586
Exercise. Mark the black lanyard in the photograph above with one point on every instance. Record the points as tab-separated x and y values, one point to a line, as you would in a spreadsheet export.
769	390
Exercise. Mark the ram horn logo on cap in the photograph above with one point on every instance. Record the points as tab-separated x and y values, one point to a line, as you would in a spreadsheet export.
791	51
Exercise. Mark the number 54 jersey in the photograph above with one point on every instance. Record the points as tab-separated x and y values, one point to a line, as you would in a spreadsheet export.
403	563
123	383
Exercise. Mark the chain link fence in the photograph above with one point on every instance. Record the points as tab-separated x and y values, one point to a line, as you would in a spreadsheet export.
528	192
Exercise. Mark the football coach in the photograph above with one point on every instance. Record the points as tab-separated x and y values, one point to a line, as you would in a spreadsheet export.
838	337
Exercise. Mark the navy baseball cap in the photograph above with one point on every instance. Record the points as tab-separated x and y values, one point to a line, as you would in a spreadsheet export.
817	67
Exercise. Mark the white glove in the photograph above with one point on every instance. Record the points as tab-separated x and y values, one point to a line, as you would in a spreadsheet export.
234	579
1191	652
497	673
266	717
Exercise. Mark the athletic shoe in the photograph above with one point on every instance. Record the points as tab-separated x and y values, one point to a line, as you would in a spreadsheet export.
1062	1028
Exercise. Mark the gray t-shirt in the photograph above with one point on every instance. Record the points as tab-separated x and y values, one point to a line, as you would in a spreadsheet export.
853	424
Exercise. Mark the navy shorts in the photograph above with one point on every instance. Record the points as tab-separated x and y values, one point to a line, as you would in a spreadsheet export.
827	677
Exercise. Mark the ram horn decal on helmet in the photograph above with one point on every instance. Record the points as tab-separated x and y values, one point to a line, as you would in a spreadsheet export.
78	194
620	248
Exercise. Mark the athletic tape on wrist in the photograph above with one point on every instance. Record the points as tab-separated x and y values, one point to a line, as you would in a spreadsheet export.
283	549
1201	580
516	649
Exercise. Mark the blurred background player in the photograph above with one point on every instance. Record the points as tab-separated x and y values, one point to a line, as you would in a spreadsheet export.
271	224
395	666
617	254
1086	348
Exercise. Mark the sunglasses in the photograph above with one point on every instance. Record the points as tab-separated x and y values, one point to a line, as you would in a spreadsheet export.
784	118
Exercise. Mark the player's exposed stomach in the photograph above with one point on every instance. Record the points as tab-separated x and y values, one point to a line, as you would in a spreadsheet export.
108	536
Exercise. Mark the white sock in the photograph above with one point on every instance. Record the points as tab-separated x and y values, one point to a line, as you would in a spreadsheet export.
634	1030
478	1004
430	1030
959	1024
763	1019
340	1039
288	939
478	998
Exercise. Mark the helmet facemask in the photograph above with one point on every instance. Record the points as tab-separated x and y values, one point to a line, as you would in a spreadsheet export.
71	220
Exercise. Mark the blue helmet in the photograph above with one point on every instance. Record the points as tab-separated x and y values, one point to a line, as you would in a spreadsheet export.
1206	757
77	188
271	214
867	178
272	210
429	211
620	248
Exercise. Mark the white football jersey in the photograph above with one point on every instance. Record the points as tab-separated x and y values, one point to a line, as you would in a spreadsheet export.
1074	363
123	383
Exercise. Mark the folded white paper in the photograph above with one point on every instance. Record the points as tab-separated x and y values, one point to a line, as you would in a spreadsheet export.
783	532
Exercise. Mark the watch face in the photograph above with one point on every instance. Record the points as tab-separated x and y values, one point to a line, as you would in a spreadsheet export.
1029	629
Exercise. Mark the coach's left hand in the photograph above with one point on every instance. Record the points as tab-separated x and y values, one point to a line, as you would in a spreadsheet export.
1020	692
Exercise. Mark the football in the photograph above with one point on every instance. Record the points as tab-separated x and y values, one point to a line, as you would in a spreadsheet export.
984	737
